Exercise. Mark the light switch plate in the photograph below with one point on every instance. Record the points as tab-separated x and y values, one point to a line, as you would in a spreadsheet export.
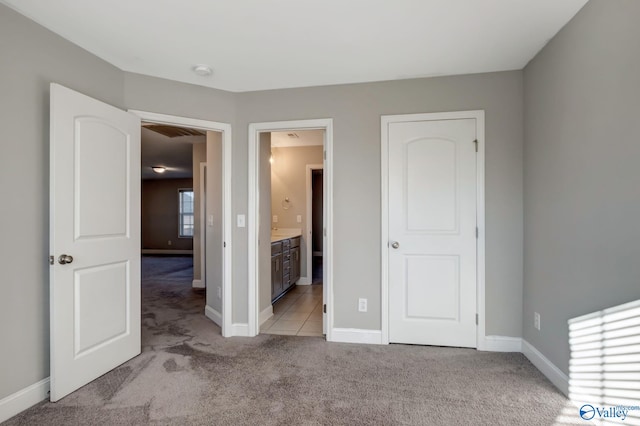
299	218
241	221
275	218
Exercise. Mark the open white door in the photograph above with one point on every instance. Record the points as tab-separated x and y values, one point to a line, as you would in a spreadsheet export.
94	239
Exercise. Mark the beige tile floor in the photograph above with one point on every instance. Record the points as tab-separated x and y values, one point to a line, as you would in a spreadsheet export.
297	313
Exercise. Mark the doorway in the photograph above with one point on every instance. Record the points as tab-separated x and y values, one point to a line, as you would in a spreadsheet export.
215	241
261	221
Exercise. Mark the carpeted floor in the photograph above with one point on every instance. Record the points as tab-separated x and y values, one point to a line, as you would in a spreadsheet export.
188	374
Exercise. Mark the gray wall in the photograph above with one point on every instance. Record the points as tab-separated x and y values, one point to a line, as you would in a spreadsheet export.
160	218
33	57
264	236
356	111
582	202
199	155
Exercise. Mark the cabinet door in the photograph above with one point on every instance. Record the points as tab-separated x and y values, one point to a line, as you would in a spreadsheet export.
295	264
276	275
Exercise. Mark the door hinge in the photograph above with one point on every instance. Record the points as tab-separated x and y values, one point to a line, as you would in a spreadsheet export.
476	319
324	308
224	244
476	143
51	261
324	231
324	155
477	232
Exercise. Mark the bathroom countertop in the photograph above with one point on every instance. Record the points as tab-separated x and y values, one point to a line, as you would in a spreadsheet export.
284	234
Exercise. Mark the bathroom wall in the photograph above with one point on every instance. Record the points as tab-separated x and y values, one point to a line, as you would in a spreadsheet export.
288	181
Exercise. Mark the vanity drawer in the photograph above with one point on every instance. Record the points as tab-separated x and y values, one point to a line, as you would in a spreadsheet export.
295	242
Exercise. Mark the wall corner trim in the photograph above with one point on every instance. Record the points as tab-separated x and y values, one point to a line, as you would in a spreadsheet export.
213	315
240	330
356	335
542	363
501	344
266	313
23	399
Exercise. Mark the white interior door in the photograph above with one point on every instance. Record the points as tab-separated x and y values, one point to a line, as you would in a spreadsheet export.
432	232
94	240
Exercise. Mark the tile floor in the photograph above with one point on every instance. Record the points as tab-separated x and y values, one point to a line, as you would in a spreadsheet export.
298	313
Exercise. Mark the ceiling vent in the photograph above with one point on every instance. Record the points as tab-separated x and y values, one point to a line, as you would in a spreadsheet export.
172	131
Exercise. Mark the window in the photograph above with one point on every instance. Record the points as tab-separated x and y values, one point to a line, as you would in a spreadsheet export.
185	206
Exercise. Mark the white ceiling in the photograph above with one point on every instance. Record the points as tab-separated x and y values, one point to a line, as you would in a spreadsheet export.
301	138
258	44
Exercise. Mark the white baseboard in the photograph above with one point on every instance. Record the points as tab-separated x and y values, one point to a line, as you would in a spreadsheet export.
304	281
197	284
266	314
553	373
213	315
501	344
161	251
240	330
356	335
23	399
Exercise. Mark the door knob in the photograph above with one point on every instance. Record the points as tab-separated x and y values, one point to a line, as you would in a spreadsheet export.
64	259
395	244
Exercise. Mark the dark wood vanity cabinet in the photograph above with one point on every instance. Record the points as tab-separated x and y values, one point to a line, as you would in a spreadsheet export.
285	266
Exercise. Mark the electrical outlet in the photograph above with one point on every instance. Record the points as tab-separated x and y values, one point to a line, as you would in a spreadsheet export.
362	305
219	292
299	218
169	243
536	321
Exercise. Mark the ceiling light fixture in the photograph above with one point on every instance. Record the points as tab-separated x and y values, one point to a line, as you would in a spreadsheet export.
159	169
202	70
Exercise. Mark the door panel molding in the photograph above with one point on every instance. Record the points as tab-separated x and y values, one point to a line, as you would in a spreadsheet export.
385	121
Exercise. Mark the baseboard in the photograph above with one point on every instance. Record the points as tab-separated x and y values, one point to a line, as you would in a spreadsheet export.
501	344
23	399
213	315
197	284
553	373
356	335
161	251
304	281
240	330
266	314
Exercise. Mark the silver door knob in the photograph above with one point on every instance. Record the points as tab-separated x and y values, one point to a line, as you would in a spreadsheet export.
64	259
395	244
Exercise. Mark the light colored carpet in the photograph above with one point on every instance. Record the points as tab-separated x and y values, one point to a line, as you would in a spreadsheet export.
188	374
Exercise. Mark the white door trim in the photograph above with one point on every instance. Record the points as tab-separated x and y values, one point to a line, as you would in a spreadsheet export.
385	120
253	212
309	219
225	129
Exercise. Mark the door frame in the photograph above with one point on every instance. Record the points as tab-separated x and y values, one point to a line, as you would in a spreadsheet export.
253	213
385	120
309	191
225	129
203	225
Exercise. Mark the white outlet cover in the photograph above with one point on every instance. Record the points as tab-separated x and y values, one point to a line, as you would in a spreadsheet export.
299	218
275	218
